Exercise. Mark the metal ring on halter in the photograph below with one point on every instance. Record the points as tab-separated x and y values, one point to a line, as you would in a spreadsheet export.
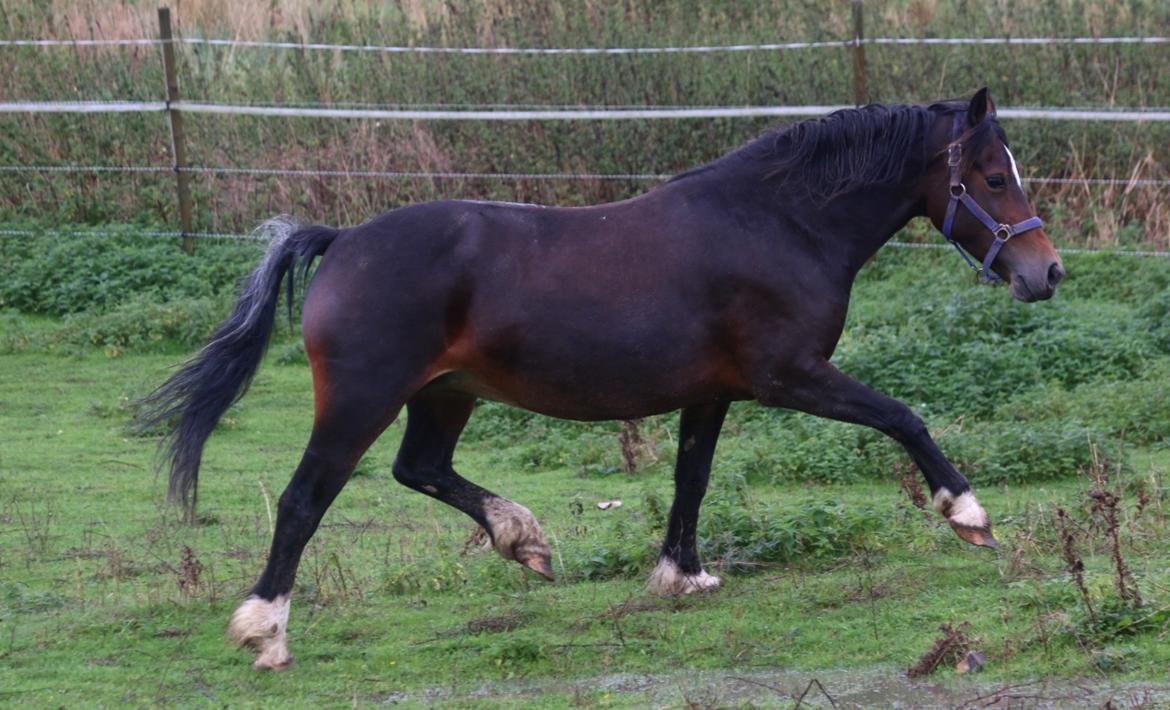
1003	232
958	191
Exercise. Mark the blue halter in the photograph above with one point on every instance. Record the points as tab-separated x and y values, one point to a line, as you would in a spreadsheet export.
959	196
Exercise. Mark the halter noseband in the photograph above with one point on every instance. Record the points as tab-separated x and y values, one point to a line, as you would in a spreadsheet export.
1003	232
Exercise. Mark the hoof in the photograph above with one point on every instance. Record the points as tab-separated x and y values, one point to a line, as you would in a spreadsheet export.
540	565
669	581
517	536
261	625
967	518
976	536
273	660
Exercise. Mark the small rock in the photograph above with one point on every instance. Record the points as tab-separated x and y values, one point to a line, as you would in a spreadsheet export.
607	504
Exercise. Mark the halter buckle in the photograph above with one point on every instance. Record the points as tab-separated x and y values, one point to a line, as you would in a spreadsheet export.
958	190
954	155
1003	232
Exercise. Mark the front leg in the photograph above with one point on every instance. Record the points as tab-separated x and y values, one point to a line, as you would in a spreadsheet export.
679	570
816	387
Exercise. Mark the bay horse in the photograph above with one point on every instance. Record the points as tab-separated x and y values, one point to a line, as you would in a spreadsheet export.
728	282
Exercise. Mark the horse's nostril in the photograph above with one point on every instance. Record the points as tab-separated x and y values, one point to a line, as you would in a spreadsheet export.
1055	274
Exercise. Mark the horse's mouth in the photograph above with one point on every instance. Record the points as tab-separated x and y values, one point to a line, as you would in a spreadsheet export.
1021	290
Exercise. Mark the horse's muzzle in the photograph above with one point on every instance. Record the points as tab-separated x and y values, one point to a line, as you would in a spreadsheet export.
1037	287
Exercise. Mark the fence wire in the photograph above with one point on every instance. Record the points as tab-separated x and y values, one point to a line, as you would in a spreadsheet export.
451	175
515	112
581	114
690	49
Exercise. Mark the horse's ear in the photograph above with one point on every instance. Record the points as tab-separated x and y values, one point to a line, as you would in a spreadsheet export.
981	107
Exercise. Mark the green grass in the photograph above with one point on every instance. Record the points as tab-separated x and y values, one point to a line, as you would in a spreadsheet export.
829	571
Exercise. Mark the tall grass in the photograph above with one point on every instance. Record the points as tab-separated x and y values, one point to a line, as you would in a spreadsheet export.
1107	75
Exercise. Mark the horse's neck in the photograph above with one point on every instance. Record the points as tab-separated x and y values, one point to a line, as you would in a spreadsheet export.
849	228
865	219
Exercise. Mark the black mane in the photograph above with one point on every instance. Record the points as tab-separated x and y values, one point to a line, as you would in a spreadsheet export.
879	144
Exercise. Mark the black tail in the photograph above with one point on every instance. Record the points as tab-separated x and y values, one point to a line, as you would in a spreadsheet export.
207	384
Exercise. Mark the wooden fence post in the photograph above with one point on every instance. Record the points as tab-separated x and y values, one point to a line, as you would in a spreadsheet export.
860	91
178	143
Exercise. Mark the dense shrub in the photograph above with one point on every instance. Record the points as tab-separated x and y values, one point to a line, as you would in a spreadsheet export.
1135	411
626	547
1007	450
974	351
1155	316
1108	277
734	529
781	446
142	325
58	276
1011	452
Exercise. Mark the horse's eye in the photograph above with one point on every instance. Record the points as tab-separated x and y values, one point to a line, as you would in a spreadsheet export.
996	182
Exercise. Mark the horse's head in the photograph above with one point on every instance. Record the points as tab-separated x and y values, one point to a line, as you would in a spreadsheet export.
974	196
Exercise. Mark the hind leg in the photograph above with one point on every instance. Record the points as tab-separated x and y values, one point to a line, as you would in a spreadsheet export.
342	431
435	419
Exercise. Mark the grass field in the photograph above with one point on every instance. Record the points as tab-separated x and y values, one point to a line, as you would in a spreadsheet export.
831	572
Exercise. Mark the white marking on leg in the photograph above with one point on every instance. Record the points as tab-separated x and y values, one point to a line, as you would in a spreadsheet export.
962	510
515	533
668	580
262	626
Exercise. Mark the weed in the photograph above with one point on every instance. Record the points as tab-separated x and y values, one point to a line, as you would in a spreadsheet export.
1073	562
909	482
189	574
1104	507
36	521
947	650
634	446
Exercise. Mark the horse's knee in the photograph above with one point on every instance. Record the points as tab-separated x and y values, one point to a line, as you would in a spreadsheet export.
413	476
904	425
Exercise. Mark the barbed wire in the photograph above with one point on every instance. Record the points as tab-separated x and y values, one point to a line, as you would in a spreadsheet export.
682	49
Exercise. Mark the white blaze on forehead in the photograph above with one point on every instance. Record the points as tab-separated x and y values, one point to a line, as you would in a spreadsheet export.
1015	170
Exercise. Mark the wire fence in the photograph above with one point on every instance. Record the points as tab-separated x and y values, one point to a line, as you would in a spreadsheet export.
173	106
551	114
453	175
695	49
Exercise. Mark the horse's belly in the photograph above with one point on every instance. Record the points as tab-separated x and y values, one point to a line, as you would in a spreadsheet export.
597	389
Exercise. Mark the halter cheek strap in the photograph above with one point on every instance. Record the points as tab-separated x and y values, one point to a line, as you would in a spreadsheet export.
959	196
